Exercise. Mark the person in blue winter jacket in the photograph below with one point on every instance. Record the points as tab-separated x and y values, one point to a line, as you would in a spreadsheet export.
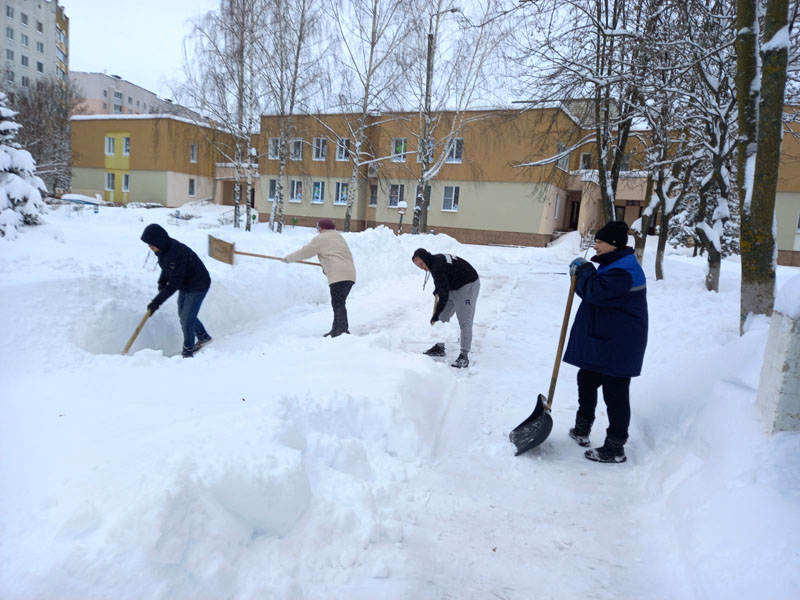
608	338
182	271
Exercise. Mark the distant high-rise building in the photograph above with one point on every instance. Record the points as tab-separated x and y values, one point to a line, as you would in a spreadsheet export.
35	43
113	95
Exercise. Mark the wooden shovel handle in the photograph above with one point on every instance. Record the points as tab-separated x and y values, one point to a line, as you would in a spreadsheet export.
136	333
564	324
302	262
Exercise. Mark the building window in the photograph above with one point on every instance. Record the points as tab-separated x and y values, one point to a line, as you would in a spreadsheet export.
9	54
191	187
563	162
318	192
396	192
193	153
126	146
558	206
23	39
40	49
105	106
342	149
455	150
39	86
24	60
25	81
296	149
23	18
105	93
109	146
274	148
39	27
373	195
118	96
40	66
341	193
450	198
297	191
273	187
9	33
10	75
399	149
130	100
61	56
320	148
109	182
118	108
9	11
137	104
586	161
126	182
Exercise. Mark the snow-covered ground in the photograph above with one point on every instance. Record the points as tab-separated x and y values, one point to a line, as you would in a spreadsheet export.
280	464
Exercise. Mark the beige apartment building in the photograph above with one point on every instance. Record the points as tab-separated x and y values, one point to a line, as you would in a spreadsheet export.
481	194
160	159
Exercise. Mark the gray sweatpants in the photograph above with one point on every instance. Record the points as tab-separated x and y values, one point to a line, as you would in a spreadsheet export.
462	302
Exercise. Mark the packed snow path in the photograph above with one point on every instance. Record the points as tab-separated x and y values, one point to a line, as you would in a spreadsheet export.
278	464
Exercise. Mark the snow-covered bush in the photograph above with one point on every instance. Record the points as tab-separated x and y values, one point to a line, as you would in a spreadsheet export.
20	189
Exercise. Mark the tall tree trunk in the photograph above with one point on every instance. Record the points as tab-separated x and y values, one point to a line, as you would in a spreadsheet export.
663	236
758	219
640	238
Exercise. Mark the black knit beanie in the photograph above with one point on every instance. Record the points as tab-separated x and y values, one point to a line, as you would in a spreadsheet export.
614	233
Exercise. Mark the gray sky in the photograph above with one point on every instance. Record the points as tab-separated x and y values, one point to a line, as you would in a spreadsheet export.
141	41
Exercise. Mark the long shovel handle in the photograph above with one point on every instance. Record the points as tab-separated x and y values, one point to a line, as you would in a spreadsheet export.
563	337
136	333
302	262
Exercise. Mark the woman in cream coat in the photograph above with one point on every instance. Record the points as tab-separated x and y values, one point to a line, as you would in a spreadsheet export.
338	267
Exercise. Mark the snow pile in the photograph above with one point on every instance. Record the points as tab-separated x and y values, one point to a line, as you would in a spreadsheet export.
280	464
788	298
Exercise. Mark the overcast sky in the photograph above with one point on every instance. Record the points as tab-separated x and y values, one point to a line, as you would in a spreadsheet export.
141	41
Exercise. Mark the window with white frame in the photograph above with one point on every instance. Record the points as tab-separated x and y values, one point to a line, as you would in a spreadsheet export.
10	33
320	149
274	152
455	150
373	195
109	146
192	190
40	67
39	27
342	149
40	47
399	149
450	198
341	193
318	192
23	18
110	182
126	146
396	192
297	191
9	11
586	161
126	182
23	39
118	96
273	187
24	60
296	149
563	162
193	153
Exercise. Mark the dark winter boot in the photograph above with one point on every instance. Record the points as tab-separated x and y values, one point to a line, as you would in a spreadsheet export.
435	350
462	362
580	433
200	343
612	451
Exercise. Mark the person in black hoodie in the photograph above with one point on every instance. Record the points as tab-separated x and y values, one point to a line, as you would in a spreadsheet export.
608	338
456	289
184	272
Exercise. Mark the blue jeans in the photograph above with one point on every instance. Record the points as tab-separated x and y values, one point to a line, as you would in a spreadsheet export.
188	307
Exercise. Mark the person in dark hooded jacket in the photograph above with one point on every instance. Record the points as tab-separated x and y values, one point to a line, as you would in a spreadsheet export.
608	338
456	290
184	272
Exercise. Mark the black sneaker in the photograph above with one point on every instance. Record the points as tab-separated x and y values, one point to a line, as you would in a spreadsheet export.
187	354
604	454
435	350
200	343
462	362
583	440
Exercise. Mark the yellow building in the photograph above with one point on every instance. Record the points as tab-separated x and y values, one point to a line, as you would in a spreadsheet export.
160	159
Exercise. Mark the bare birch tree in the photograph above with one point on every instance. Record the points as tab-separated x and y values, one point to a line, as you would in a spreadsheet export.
223	82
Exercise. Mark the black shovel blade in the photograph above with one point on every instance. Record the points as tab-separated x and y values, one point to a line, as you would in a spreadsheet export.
533	430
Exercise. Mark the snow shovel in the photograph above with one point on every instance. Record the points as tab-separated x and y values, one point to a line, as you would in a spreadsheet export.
224	251
136	333
535	429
